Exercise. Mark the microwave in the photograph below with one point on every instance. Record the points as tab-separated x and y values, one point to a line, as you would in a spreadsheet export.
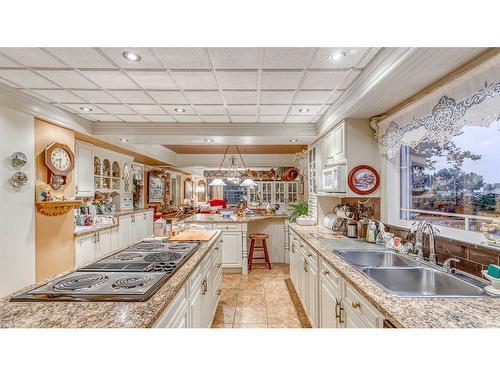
334	179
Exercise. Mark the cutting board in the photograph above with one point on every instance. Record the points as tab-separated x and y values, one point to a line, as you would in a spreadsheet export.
195	235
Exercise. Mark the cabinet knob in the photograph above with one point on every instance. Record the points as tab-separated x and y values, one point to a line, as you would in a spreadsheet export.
325	272
355	305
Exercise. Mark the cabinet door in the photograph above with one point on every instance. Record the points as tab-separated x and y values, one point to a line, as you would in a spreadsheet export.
103	247
312	294
84	250
84	170
292	192
149	224
280	192
350	318
232	248
329	148
115	239
328	301
125	231
254	194
312	183
338	143
267	192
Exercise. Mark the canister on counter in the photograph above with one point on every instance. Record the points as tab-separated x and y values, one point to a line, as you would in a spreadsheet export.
362	228
352	229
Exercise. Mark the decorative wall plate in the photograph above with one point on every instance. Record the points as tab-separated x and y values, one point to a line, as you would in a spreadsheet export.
19	179
363	179
18	159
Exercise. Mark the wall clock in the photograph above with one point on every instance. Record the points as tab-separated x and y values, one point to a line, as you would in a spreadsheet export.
60	161
363	179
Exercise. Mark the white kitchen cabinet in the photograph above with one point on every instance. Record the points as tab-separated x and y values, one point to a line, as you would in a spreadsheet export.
292	191
312	292
280	192
232	248
312	171
176	315
84	249
115	239
103	244
266	191
334	145
125	231
84	170
330	295
148	226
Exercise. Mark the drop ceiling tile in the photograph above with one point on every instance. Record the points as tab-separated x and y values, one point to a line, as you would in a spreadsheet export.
81	57
216	118
204	97
272	118
242	109
132	118
5	62
272	80
313	110
183	58
103	118
323	80
243	118
33	57
210	109
168	97
349	78
59	96
148	60
299	119
160	118
351	58
234	58
132	97
95	96
11	84
273	109
148	109
238	80
276	97
187	118
240	97
194	80
152	80
109	79
27	79
171	109
116	109
286	58
312	97
76	108
68	79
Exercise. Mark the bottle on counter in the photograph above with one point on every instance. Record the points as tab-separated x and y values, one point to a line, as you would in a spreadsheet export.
362	228
371	234
352	229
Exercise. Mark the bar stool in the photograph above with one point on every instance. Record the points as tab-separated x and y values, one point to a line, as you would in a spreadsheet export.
254	237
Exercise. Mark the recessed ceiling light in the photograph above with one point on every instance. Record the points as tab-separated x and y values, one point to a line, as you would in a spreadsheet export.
86	109
123	140
336	56
131	56
294	140
208	140
304	110
179	110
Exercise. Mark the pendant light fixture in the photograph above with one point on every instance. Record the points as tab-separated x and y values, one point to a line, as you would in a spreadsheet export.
232	174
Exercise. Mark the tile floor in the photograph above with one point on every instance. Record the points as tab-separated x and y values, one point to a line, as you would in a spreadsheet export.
258	300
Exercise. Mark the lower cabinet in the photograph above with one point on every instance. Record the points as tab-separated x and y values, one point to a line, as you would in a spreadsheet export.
195	305
329	300
125	231
232	248
95	246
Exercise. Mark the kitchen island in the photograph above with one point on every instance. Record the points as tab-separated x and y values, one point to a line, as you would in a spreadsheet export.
235	231
359	302
187	299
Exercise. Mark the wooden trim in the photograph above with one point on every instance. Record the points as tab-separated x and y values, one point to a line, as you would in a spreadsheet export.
478	60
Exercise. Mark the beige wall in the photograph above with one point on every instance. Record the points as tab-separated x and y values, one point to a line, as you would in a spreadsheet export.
53	234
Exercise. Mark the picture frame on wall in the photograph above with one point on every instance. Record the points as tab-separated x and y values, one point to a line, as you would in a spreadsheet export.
156	189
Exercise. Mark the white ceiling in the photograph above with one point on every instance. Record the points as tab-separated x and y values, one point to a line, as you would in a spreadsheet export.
213	85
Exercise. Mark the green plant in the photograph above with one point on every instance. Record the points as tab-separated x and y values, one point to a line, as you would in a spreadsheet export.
299	209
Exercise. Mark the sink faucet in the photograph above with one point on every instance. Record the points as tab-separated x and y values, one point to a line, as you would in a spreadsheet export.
447	264
428	228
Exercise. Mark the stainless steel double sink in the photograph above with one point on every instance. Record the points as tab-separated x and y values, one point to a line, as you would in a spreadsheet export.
404	276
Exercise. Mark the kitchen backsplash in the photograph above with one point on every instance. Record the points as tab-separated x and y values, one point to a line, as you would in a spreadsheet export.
473	258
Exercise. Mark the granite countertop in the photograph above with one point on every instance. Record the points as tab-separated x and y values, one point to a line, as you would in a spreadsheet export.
99	314
407	312
217	218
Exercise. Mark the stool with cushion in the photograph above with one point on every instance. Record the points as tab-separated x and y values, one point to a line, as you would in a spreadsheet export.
255	237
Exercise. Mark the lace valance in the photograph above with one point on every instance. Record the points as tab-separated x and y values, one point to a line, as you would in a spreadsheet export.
473	99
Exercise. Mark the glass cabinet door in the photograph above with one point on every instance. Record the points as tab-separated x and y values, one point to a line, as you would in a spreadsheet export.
280	192
267	192
254	194
312	171
293	192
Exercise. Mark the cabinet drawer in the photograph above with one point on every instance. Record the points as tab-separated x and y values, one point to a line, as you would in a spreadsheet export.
202	225
311	255
229	227
362	308
332	277
217	254
175	308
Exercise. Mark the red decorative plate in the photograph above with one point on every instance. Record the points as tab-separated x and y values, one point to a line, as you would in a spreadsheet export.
363	179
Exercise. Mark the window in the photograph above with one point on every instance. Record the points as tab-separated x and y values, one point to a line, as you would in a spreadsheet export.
457	185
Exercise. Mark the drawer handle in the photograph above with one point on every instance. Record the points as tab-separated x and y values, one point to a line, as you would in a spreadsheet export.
205	287
309	255
355	305
219	265
338	311
326	272
219	292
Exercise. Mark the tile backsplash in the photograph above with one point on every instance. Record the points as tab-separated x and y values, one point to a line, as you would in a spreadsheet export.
473	258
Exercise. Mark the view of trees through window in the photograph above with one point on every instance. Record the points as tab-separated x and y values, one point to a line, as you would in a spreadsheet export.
457	185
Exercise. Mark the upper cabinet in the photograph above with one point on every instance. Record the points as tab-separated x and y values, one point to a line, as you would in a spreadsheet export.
351	143
84	181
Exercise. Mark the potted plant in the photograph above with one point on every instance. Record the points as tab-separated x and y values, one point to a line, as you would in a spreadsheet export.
298	209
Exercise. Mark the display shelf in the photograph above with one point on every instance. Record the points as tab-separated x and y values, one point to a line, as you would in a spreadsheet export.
56	208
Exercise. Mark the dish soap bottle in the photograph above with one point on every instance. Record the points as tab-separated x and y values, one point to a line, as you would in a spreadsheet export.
371	234
380	236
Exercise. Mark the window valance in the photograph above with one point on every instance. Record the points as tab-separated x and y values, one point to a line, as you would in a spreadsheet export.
472	99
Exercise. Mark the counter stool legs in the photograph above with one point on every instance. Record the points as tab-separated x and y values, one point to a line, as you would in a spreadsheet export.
263	248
